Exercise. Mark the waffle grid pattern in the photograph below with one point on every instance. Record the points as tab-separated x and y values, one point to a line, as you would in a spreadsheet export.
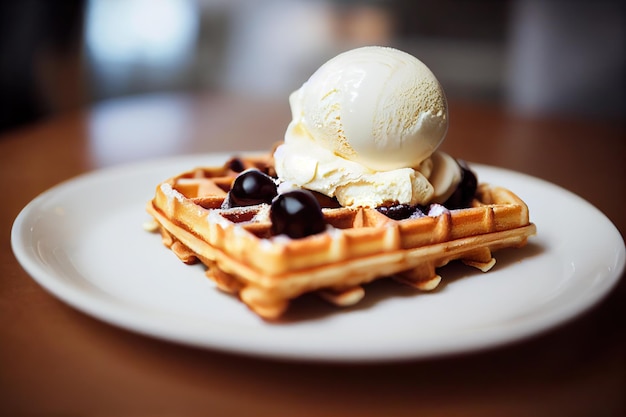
360	245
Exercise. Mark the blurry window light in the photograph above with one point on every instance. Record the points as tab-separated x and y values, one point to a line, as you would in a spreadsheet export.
157	33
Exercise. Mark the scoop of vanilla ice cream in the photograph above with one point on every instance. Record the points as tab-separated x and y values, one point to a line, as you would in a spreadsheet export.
304	165
365	130
377	106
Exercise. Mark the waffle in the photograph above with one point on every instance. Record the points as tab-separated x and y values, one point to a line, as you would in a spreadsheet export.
360	245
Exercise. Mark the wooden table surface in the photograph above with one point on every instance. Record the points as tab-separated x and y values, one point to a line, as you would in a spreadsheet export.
55	360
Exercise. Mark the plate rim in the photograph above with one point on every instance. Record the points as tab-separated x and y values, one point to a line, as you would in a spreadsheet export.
99	309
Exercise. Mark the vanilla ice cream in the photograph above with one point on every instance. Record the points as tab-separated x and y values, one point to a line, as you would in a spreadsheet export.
365	127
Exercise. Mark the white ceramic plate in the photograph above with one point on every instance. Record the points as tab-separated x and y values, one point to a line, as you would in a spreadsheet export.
83	241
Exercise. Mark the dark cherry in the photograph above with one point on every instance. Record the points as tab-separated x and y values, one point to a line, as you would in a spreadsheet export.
465	192
400	211
251	187
235	164
297	214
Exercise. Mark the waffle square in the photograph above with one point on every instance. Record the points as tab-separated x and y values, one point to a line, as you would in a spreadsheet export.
360	245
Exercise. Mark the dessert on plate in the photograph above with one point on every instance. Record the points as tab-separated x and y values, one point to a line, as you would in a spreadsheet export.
357	191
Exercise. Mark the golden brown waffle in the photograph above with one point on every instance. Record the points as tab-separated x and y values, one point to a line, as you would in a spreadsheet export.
359	246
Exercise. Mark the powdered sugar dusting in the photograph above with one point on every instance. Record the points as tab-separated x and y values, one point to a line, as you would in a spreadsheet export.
170	192
437	210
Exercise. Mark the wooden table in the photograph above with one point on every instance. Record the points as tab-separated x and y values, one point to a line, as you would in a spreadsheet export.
55	360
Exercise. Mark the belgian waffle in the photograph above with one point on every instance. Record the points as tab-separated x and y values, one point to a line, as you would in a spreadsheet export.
358	246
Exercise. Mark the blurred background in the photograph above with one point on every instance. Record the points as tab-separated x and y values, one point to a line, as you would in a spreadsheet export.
534	57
